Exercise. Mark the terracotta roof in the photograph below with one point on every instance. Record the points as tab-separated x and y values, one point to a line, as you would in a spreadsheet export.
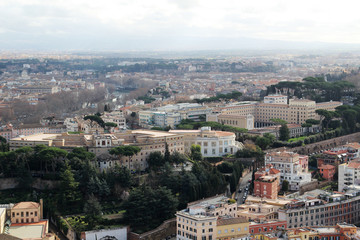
353	145
274	171
327	166
228	221
354	164
22	205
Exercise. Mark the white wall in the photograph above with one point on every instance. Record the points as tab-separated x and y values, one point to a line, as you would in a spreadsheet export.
119	234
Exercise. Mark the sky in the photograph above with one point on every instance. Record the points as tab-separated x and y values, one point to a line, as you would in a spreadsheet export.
134	25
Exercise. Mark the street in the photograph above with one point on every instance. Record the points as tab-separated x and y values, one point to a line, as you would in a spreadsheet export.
243	182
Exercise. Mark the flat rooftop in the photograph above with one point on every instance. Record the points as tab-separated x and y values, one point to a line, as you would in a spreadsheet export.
37	137
154	133
28	230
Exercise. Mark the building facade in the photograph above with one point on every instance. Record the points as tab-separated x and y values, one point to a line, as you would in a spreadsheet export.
267	183
213	143
292	166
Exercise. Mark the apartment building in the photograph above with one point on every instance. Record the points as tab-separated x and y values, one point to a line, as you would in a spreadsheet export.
267	183
321	208
294	111
100	144
210	219
213	143
349	174
42	89
292	166
115	116
171	115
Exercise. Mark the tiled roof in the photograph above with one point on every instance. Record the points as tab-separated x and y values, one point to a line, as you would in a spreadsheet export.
229	221
22	205
354	164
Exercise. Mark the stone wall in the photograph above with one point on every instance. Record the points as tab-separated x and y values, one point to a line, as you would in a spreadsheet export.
326	144
10	183
312	186
165	230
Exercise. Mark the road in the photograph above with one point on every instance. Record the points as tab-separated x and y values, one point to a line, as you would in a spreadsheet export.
243	182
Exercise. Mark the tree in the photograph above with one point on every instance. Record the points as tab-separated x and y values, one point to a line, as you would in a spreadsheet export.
95	118
284	133
156	160
69	188
196	152
92	210
52	156
111	124
178	158
147	208
167	153
285	186
127	151
263	142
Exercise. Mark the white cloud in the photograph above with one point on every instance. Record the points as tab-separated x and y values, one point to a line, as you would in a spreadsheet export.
320	20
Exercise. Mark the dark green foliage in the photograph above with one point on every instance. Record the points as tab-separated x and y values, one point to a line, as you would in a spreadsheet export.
178	158
167	153
285	186
315	89
110	124
69	188
195	152
234	95
156	160
312	121
92	210
95	118
146	99
81	153
263	142
284	133
147	208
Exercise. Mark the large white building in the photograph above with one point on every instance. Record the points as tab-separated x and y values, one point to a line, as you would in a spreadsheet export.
171	115
213	143
349	174
293	167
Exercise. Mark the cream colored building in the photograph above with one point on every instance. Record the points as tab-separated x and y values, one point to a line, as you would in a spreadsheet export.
100	144
213	143
26	212
200	219
296	111
236	120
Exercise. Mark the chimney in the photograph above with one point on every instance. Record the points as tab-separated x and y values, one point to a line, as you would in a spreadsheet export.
41	209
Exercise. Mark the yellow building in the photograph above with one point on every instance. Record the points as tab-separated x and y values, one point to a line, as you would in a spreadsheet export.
230	228
237	120
199	219
296	111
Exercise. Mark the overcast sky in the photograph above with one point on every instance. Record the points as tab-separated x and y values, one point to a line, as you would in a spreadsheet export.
175	24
